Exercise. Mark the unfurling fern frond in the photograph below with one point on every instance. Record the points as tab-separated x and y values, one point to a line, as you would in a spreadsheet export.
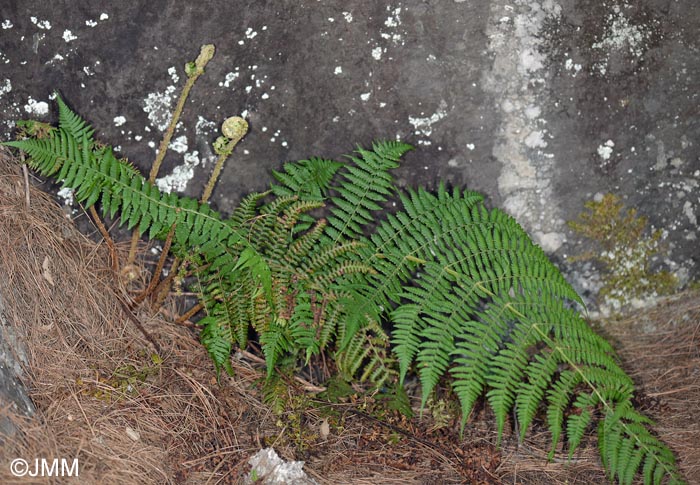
446	288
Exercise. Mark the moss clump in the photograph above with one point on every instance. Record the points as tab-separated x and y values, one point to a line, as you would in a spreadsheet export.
124	381
627	252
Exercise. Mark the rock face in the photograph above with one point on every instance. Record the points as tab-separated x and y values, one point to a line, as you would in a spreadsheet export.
539	104
13	394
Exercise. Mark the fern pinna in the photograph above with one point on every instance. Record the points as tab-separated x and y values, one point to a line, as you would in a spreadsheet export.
468	298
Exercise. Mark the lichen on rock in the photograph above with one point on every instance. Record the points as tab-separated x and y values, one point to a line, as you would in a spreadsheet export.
627	252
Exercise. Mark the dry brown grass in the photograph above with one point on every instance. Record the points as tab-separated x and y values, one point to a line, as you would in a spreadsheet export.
61	295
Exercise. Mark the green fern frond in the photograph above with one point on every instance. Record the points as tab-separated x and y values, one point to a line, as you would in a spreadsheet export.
216	338
95	174
300	249
487	308
77	127
366	352
275	342
304	327
275	393
365	184
307	179
247	210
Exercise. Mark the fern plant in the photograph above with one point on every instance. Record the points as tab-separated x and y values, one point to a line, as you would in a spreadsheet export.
445	288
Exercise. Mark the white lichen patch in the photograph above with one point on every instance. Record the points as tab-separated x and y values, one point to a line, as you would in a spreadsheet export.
549	242
689	212
393	20
172	72
66	193
177	181
179	144
621	36
7	24
119	120
338	70
91	23
423	126
229	78
365	96
42	24
250	33
347	16
5	87
377	53
532	112
158	105
104	16
36	108
68	36
269	468
535	139
605	150
56	58
531	60
569	65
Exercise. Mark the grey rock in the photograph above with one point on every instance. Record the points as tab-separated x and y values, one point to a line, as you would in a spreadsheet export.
13	394
538	104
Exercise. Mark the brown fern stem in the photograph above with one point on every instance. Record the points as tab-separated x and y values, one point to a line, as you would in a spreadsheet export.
189	313
163	288
127	311
108	240
159	268
234	129
195	70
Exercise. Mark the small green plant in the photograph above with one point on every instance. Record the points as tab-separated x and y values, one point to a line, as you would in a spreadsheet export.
446	288
626	253
124	381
